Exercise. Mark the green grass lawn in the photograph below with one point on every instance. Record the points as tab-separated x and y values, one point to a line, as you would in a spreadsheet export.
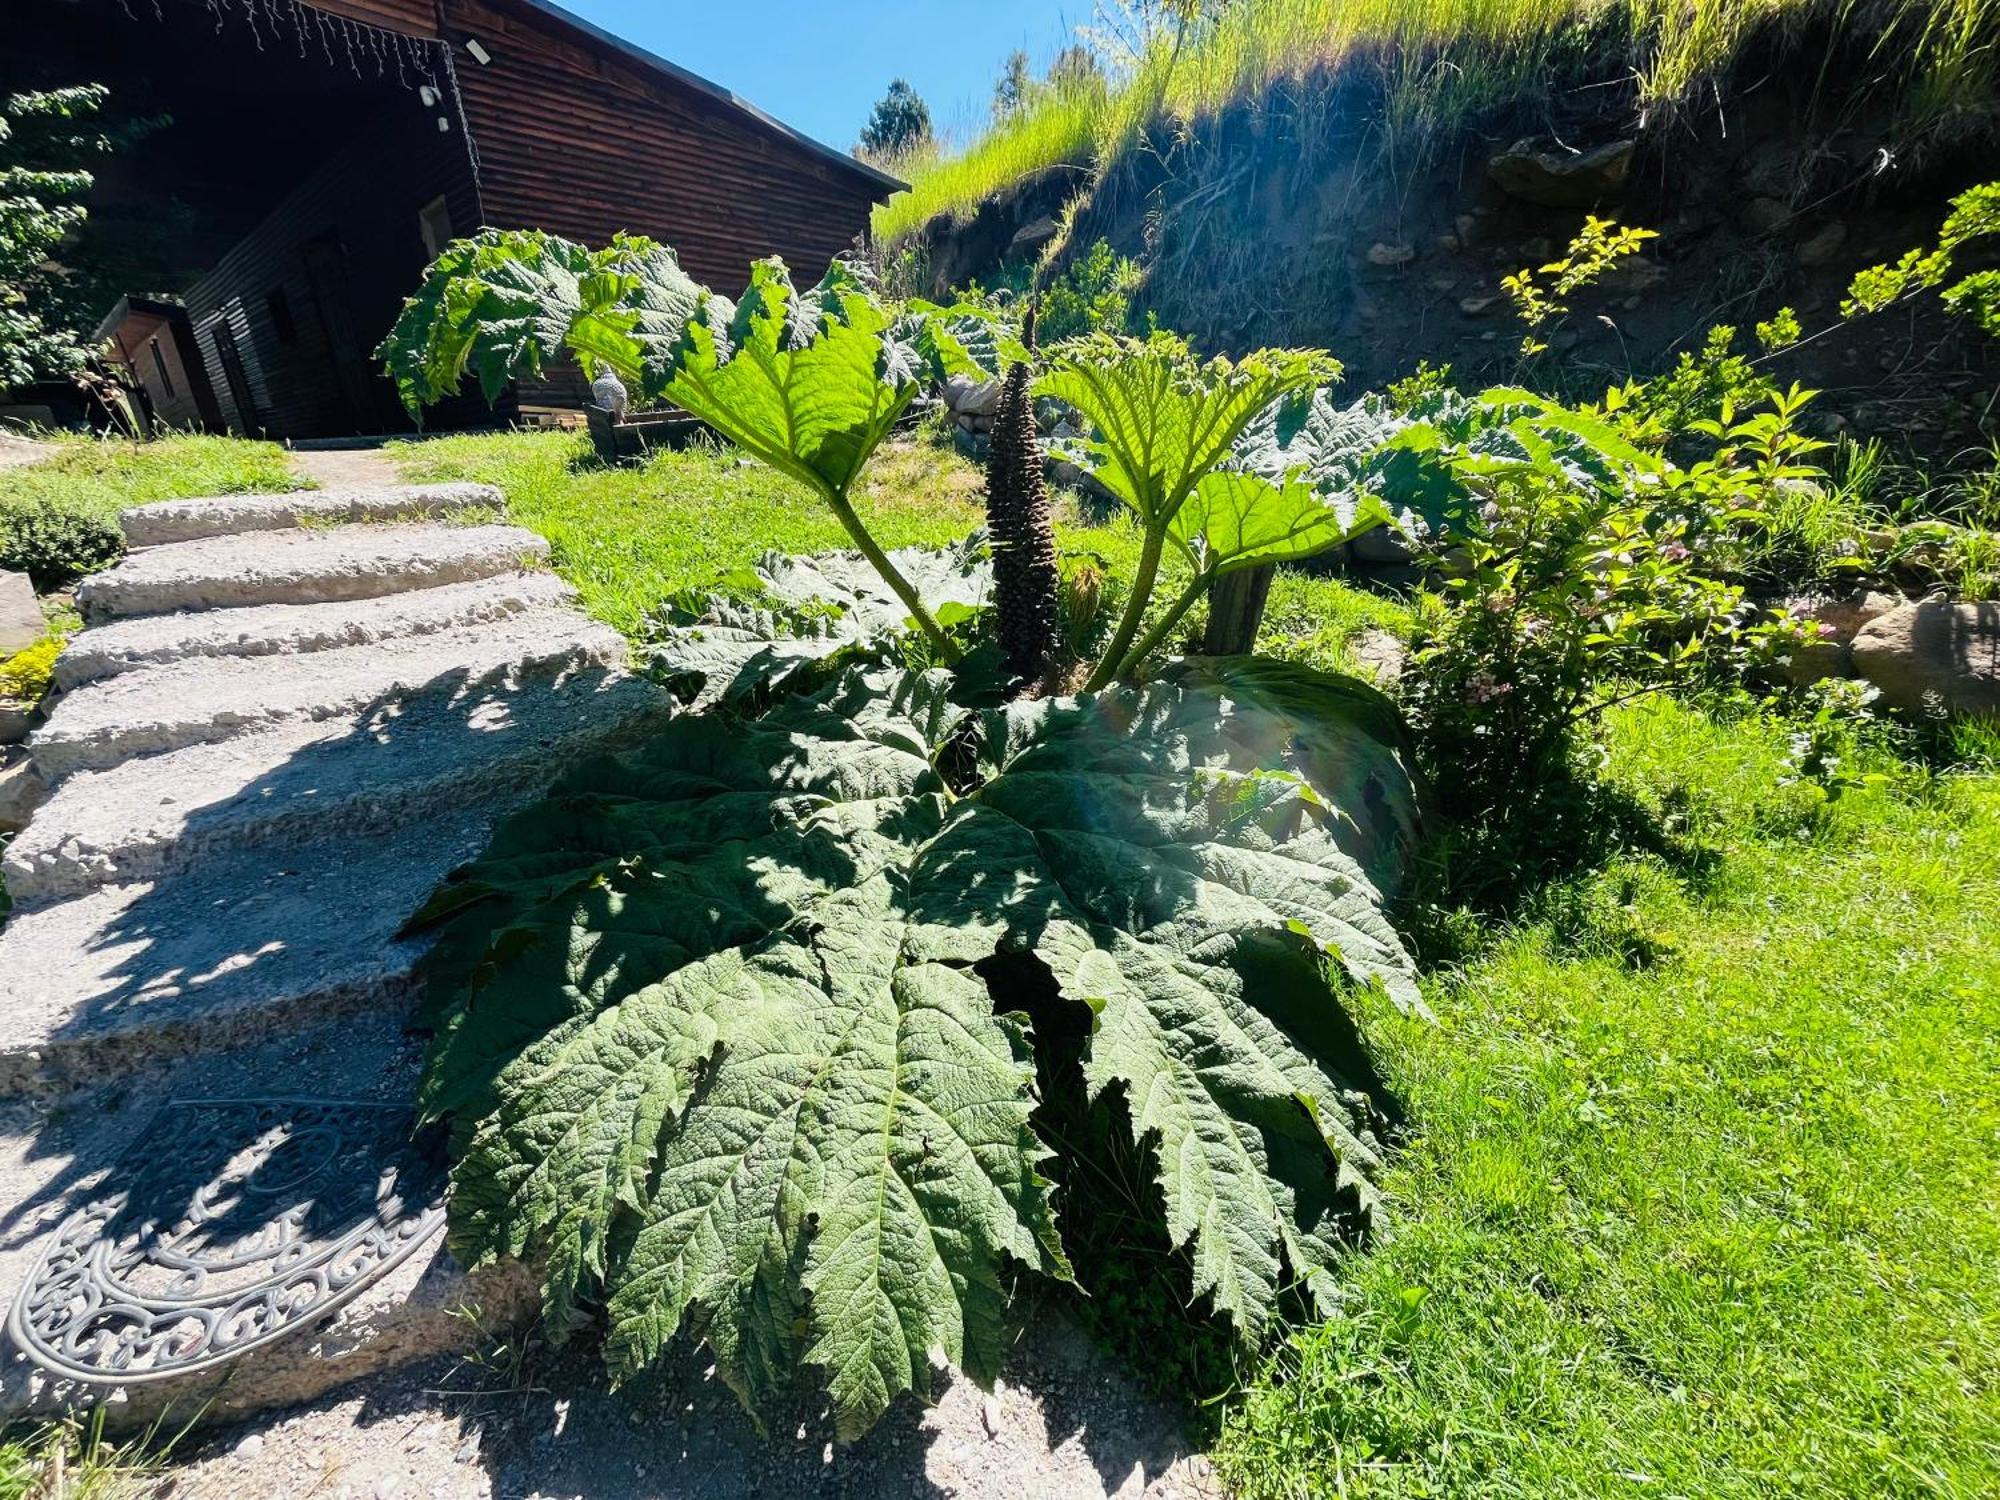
1700	1196
101	478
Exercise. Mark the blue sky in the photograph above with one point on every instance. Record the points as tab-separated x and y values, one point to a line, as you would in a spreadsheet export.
819	65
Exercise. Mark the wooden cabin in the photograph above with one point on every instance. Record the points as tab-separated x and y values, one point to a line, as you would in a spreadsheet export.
316	153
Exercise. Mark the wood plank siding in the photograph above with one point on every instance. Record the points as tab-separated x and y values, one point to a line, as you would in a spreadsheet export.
306	296
562	127
576	137
410	17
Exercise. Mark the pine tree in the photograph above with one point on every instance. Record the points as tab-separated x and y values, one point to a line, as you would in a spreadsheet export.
899	124
1025	574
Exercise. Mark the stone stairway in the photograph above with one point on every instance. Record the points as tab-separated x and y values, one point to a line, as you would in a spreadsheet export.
289	717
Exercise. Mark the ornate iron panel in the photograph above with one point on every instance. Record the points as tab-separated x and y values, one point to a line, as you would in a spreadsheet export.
228	1224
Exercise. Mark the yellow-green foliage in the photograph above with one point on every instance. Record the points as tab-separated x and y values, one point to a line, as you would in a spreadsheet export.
1437	61
26	674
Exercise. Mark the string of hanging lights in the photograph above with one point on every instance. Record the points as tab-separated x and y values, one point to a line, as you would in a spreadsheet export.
367	51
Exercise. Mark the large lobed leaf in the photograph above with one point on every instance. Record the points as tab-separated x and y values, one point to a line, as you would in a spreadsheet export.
788	612
810	382
1159	420
717	1024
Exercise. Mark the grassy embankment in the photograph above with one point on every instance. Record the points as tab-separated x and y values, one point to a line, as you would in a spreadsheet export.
1437	63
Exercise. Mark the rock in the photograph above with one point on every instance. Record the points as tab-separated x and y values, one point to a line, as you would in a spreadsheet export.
1553	176
1935	652
20	616
1381	254
1033	235
1841	619
1769	169
1633	276
1762	216
1381	547
15	714
1468	228
1447	244
969	397
249	1447
1381	654
21	791
1477	307
1823	245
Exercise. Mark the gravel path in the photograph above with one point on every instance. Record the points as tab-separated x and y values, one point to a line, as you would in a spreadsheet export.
1065	1424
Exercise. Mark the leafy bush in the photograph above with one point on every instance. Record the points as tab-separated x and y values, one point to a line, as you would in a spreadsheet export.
56	543
1093	295
787	1103
1577	573
733	1029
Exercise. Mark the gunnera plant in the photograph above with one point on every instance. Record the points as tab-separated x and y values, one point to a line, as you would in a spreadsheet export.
1025	571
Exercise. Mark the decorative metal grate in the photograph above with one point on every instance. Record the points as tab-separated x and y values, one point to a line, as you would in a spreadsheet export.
229	1224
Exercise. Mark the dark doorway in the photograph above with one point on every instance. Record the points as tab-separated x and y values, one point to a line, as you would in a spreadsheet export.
325	261
233	375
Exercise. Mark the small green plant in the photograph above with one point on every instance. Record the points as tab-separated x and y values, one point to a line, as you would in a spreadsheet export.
55	542
1093	295
1975	214
1541	305
1562	595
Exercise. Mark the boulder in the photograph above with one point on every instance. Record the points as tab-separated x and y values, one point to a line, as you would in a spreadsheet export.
969	397
1032	235
20	616
15	716
1478	307
1383	254
1823	244
1935	652
1381	546
1554	176
21	791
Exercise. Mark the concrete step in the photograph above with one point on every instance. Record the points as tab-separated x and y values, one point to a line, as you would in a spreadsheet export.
357	773
204	699
288	629
304	567
226	515
250	944
110	1146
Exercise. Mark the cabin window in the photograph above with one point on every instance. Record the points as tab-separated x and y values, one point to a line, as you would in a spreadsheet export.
160	369
434	223
279	306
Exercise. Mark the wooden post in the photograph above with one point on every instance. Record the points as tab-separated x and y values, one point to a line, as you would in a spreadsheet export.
1235	610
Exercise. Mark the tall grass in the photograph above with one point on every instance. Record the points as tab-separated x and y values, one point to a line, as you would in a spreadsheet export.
1434	63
